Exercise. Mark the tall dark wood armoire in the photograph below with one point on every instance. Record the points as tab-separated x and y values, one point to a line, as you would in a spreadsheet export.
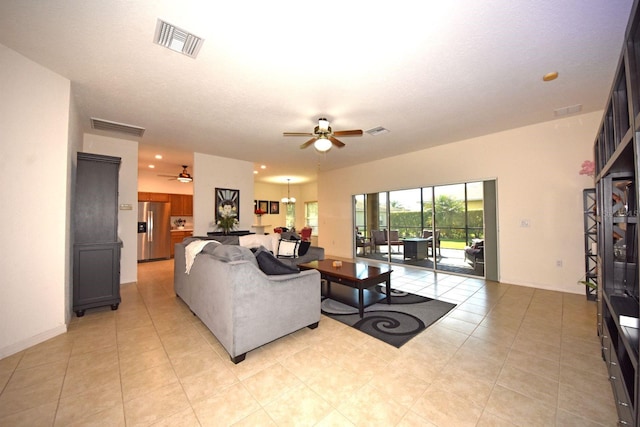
96	249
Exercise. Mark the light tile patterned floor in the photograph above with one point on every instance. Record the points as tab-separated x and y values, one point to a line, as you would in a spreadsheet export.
505	356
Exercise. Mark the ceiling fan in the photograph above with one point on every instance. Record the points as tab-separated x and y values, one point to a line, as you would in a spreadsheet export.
184	176
324	137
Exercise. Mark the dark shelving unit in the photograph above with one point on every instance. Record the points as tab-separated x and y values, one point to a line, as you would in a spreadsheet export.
616	153
590	241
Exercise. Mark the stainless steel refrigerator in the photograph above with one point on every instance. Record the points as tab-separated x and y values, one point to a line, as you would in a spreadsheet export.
154	230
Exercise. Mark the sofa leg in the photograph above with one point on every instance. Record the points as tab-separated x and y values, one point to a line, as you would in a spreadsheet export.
313	325
239	358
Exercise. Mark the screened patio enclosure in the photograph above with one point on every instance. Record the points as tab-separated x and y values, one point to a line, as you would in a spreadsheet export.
441	228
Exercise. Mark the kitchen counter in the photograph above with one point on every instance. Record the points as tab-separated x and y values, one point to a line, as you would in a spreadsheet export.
184	229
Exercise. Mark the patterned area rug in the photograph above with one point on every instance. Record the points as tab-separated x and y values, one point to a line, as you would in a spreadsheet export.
395	324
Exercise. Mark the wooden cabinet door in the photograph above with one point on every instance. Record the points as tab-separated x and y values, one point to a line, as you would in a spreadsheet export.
187	205
181	204
176	205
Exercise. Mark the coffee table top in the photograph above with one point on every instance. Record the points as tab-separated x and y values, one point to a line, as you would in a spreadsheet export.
348	270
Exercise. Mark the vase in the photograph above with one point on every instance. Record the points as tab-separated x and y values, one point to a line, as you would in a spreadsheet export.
259	219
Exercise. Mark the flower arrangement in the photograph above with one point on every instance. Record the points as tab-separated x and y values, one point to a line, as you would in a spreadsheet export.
259	212
588	168
179	222
227	222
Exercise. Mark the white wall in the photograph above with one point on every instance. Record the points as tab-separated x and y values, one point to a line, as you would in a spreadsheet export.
127	150
536	168
211	172
34	120
75	145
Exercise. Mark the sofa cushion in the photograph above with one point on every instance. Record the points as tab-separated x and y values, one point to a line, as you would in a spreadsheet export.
232	253
288	248
210	247
269	241
270	265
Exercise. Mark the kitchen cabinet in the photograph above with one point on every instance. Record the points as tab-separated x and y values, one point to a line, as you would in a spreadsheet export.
96	247
177	237
153	197
181	204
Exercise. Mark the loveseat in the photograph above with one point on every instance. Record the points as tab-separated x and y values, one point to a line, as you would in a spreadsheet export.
241	305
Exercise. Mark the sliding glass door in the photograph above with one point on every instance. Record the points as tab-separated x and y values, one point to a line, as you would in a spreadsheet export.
440	227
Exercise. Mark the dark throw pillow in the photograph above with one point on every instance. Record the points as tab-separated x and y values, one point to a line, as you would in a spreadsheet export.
270	265
303	248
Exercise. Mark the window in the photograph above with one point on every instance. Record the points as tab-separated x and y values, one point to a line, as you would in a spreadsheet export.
311	216
290	218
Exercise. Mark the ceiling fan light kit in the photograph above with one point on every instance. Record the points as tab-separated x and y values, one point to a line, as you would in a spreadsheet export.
322	144
324	137
184	175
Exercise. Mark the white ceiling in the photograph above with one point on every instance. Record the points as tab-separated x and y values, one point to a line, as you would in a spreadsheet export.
430	72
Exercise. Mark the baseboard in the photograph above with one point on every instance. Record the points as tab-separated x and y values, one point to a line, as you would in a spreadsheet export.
30	342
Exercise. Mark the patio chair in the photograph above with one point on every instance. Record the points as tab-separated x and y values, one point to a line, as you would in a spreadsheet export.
428	234
362	242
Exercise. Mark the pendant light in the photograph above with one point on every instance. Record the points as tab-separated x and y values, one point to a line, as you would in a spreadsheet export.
288	199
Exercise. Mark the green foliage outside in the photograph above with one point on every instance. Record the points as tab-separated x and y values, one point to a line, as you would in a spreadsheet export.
456	228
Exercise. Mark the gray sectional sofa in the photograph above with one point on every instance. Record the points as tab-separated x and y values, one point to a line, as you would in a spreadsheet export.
241	305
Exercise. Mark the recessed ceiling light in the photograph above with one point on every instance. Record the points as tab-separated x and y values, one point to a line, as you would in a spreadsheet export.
152	166
159	156
263	167
255	172
550	76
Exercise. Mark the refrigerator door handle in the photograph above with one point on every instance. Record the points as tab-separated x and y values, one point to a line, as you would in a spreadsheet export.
150	231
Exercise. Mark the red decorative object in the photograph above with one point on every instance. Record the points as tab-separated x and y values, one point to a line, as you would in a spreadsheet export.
259	212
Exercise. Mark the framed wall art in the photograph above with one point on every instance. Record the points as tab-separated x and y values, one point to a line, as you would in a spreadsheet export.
263	205
227	203
274	207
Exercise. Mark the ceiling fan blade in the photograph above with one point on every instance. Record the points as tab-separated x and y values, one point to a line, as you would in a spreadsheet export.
308	143
354	132
336	142
297	134
167	176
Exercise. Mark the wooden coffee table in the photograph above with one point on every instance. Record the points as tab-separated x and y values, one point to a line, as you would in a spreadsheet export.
357	278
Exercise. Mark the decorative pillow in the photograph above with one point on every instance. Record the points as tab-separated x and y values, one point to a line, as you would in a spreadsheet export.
303	248
270	265
290	235
210	247
288	249
269	241
232	253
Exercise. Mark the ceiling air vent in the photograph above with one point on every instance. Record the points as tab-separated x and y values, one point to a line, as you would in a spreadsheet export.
100	124
177	39
377	131
565	111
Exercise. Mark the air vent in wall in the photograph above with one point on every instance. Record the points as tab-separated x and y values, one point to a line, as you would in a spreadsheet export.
177	39
100	124
377	131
